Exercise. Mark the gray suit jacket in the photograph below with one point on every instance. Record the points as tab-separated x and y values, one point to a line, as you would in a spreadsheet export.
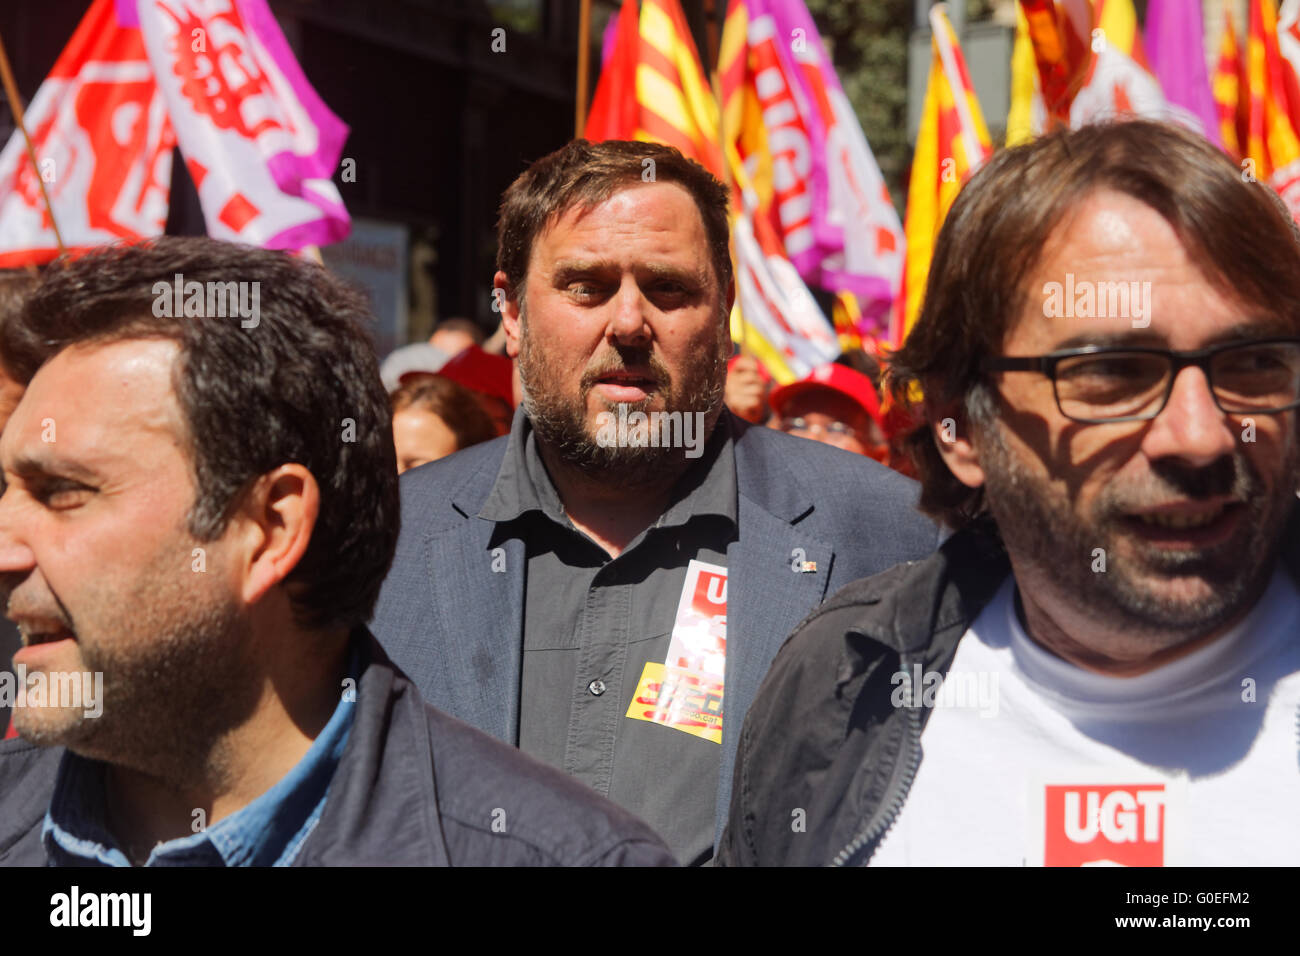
451	611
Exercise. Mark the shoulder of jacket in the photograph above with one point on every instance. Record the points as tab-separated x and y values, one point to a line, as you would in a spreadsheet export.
27	775
474	469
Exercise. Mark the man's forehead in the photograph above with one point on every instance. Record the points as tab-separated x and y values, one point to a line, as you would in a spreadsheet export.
666	201
91	399
1105	224
1115	268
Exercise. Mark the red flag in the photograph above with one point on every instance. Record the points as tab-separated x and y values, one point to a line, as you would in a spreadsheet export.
614	111
103	145
260	144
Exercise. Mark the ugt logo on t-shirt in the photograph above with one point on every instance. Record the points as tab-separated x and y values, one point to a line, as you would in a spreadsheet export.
1116	824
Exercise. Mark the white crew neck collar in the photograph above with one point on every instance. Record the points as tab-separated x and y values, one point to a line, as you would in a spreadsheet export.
1195	679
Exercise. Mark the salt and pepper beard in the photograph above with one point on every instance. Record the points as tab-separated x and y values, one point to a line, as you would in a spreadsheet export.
560	419
1038	523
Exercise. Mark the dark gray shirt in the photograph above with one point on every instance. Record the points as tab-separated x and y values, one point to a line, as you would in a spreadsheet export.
592	623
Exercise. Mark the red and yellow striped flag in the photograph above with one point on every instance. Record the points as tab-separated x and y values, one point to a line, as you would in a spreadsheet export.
1037	24
677	105
1271	144
1226	84
653	87
951	144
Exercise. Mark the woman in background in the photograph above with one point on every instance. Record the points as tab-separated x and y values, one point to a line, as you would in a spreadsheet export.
433	417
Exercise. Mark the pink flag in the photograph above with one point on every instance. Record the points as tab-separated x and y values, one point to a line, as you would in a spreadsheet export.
103	148
1176	51
828	200
257	140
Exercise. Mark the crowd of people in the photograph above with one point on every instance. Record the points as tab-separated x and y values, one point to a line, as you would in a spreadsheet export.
1028	595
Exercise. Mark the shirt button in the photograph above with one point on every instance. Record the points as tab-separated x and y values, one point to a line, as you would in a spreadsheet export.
597	687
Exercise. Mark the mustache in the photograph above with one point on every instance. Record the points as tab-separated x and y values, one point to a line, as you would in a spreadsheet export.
1170	480
17	605
642	361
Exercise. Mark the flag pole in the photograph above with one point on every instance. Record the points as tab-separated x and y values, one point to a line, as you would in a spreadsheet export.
15	104
584	65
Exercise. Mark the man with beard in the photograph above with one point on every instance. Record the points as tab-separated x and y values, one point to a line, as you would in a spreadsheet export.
198	512
594	585
1100	665
13	290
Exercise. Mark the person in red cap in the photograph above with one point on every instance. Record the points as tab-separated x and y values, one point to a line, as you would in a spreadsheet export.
836	405
491	379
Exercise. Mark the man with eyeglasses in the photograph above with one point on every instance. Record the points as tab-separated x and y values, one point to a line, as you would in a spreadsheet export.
835	405
1100	665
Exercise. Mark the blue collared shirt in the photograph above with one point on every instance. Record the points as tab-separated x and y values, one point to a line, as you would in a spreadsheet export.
268	832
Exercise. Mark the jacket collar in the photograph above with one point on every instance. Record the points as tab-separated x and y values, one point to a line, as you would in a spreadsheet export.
767	480
382	806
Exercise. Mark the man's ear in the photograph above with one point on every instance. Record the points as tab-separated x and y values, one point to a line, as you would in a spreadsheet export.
275	521
951	431
509	312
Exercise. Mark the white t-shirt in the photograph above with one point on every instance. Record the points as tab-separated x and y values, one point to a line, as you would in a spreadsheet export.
1029	760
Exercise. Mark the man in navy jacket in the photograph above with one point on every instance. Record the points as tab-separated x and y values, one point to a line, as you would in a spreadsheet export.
595	585
199	510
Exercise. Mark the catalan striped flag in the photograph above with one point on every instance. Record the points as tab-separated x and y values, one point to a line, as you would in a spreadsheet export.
951	144
653	88
1270	140
677	104
1288	43
1226	84
1027	117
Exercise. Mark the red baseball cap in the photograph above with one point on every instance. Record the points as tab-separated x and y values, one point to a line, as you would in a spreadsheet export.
483	372
839	378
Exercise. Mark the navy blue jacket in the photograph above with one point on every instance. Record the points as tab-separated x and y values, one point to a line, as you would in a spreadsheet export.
414	787
456	625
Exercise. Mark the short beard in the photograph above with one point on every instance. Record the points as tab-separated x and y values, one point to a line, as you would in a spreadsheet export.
176	675
560	420
1058	549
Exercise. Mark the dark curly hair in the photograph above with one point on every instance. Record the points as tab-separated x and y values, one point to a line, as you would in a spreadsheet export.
299	384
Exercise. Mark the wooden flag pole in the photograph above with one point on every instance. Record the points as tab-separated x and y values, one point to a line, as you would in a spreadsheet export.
584	66
15	104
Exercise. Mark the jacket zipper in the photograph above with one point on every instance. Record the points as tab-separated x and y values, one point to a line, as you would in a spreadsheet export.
900	783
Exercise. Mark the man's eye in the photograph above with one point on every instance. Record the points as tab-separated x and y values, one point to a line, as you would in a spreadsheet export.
62	494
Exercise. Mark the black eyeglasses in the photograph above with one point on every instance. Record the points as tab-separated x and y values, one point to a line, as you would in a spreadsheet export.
1099	384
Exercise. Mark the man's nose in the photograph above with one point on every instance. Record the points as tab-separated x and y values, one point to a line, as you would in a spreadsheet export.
628	323
16	558
1191	427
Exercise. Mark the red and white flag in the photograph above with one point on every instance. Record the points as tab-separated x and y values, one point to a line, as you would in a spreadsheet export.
103	147
259	143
